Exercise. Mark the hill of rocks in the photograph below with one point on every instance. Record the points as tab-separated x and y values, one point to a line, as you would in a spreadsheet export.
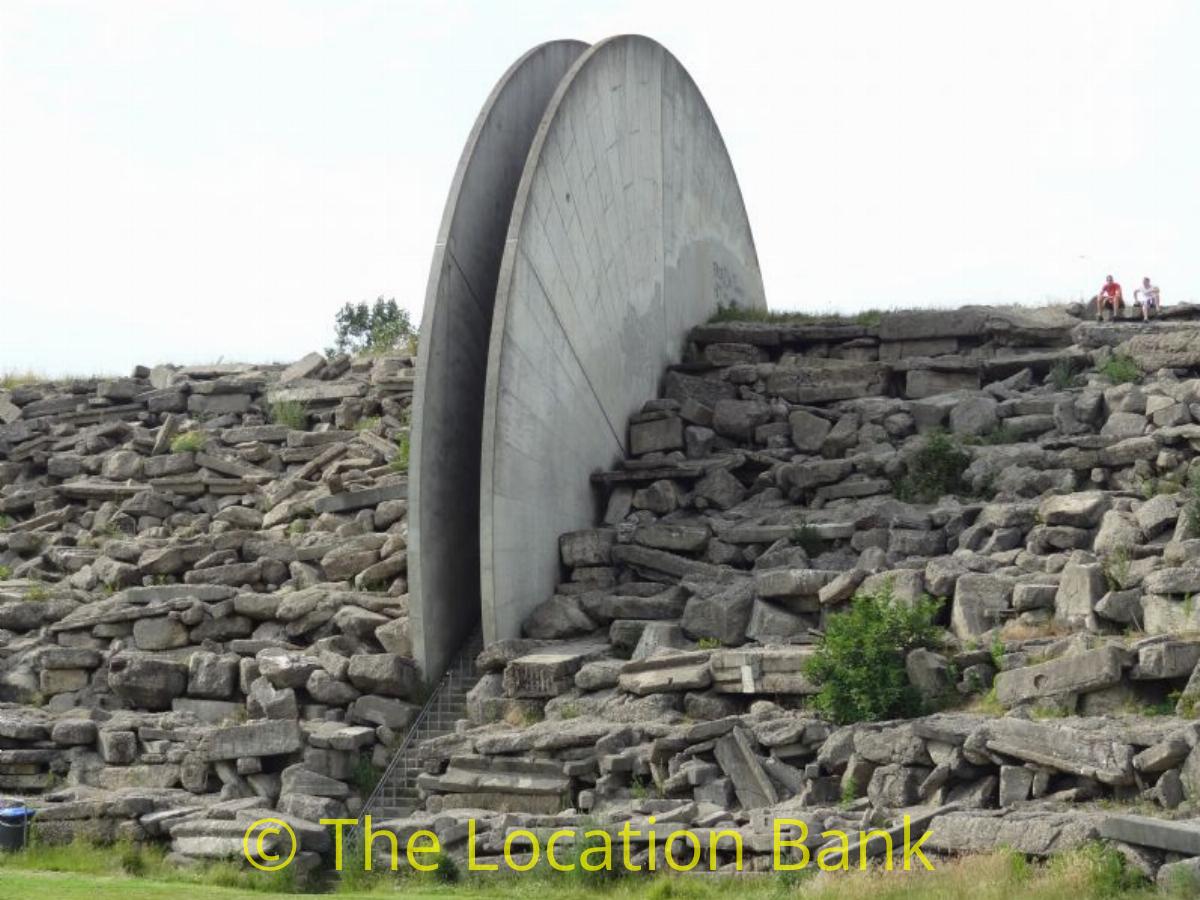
787	468
203	596
204	607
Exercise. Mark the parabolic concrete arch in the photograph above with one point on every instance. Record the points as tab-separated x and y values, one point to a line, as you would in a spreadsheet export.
452	363
627	228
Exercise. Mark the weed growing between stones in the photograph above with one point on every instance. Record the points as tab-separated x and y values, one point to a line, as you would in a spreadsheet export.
189	442
1191	511
860	662
1121	369
290	413
935	470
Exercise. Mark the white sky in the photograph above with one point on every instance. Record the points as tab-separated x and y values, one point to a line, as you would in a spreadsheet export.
187	181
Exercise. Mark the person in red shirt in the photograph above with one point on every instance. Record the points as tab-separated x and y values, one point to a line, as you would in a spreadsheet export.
1110	297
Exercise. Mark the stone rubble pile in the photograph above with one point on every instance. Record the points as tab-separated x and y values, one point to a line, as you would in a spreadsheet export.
203	604
780	474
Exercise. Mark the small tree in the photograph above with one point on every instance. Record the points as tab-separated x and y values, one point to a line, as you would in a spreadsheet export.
860	663
374	328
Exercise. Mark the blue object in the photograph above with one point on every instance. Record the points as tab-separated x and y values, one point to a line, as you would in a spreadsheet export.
14	826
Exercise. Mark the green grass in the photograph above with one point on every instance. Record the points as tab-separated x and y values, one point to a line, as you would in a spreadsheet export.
1121	369
14	379
403	446
5	573
866	318
1063	375
291	413
1089	873
189	442
1191	510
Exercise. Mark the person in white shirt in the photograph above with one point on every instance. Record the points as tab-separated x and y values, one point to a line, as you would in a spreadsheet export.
1147	298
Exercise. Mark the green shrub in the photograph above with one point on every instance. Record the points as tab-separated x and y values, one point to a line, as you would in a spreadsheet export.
859	664
934	470
290	413
1120	369
5	573
189	442
447	868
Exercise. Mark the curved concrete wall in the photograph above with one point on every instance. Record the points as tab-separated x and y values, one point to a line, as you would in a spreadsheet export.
455	327
628	228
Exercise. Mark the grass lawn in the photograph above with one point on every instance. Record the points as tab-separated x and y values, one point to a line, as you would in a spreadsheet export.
1080	875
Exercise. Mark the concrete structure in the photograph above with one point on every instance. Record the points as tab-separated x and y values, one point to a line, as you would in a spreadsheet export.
628	227
455	327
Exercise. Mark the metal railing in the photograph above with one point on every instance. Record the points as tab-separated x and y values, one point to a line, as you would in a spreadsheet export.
396	792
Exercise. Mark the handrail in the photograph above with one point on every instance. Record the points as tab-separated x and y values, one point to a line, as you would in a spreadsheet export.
463	660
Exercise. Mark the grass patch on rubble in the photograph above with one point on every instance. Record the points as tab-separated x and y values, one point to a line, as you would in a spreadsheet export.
1120	369
1191	509
936	469
189	442
1088	873
290	413
867	318
860	662
15	379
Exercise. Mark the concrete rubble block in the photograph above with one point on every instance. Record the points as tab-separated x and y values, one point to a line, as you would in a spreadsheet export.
560	617
808	430
778	583
1016	783
1079	590
1166	754
145	681
646	559
1077	674
737	759
1032	832
1174	837
590	547
980	604
656	435
668	672
270	738
1165	660
476	774
672	537
548	673
721	613
1089	754
1162	614
1080	510
762	670
386	674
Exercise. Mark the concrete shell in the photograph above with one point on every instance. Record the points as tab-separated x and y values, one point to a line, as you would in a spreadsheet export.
455	326
627	229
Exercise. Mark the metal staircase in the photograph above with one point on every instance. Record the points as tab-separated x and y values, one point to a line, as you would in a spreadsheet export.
396	793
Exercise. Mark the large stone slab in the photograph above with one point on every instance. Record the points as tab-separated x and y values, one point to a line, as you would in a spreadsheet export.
1058	746
1078	674
267	738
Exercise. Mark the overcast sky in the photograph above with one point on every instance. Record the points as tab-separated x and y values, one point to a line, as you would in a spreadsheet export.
193	181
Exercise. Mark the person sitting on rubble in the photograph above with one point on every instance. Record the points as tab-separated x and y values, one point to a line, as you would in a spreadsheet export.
1110	297
1146	298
